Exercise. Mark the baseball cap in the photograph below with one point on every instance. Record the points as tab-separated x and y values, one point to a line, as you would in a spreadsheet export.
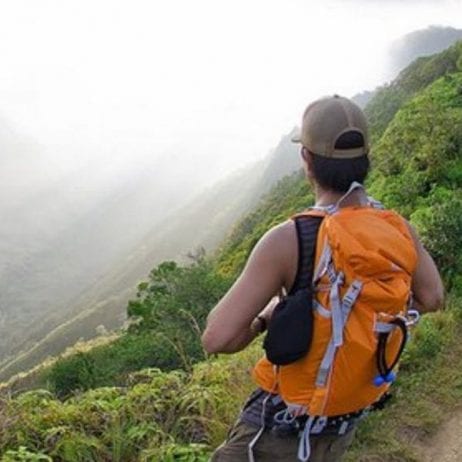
326	120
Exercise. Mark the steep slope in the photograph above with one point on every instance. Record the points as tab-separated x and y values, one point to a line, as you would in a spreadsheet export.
59	239
418	44
65	223
424	42
99	293
389	98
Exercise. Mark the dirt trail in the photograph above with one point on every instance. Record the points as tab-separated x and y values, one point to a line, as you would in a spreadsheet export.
446	445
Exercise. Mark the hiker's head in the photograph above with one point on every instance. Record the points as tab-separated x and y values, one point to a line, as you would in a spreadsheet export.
335	143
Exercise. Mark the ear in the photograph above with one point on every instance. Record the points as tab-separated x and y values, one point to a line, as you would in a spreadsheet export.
307	163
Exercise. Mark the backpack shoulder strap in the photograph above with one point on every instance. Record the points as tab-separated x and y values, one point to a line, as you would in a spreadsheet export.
307	227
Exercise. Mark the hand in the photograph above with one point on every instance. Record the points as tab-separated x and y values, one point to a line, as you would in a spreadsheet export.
258	324
267	312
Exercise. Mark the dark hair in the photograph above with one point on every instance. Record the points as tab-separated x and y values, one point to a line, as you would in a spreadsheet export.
337	174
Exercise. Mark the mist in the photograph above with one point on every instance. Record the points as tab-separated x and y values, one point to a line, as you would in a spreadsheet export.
215	83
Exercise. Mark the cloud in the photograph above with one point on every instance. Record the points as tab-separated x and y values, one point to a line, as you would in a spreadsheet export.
398	2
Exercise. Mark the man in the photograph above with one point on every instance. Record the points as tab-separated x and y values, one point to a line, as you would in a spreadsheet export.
334	150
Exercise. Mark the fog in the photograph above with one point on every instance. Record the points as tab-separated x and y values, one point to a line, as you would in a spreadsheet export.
115	114
213	83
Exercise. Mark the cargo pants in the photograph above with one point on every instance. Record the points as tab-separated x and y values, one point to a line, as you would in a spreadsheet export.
271	448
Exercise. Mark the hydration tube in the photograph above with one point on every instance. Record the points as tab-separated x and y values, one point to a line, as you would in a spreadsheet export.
386	374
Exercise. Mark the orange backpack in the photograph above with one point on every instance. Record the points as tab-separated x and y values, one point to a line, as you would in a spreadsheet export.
364	263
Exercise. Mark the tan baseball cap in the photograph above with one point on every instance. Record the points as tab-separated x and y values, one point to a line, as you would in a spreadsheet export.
326	120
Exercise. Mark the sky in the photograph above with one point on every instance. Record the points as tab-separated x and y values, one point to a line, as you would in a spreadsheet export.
207	84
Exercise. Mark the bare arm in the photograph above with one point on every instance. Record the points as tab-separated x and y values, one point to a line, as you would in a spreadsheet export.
427	286
231	325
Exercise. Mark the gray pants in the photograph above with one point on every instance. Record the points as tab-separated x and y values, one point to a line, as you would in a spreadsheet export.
271	448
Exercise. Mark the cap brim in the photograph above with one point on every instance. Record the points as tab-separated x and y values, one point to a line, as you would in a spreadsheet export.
297	138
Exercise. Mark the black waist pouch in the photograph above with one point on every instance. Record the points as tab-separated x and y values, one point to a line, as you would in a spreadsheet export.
290	329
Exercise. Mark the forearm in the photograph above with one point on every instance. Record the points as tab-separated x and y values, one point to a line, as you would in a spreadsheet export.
240	341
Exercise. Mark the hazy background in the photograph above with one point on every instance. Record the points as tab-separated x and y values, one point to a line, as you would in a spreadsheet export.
114	115
122	84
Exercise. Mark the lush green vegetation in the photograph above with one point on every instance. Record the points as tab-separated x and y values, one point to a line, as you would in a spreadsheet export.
182	414
155	417
167	416
168	315
421	73
418	170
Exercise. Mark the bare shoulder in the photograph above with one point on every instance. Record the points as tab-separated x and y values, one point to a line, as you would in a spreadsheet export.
280	239
414	235
284	231
279	248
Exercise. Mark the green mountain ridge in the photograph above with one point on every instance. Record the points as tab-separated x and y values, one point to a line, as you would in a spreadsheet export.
431	40
417	46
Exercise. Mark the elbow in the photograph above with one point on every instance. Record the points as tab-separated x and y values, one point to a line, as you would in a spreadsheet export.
437	301
215	342
432	301
210	342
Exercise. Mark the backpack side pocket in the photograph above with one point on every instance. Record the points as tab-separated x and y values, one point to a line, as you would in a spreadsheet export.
290	330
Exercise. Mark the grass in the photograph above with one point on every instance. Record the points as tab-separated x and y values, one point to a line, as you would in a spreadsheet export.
427	392
181	416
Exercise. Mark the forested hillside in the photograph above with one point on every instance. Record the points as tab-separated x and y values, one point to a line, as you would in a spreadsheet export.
424	42
154	415
80	315
418	45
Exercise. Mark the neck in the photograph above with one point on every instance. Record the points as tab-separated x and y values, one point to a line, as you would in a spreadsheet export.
325	197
